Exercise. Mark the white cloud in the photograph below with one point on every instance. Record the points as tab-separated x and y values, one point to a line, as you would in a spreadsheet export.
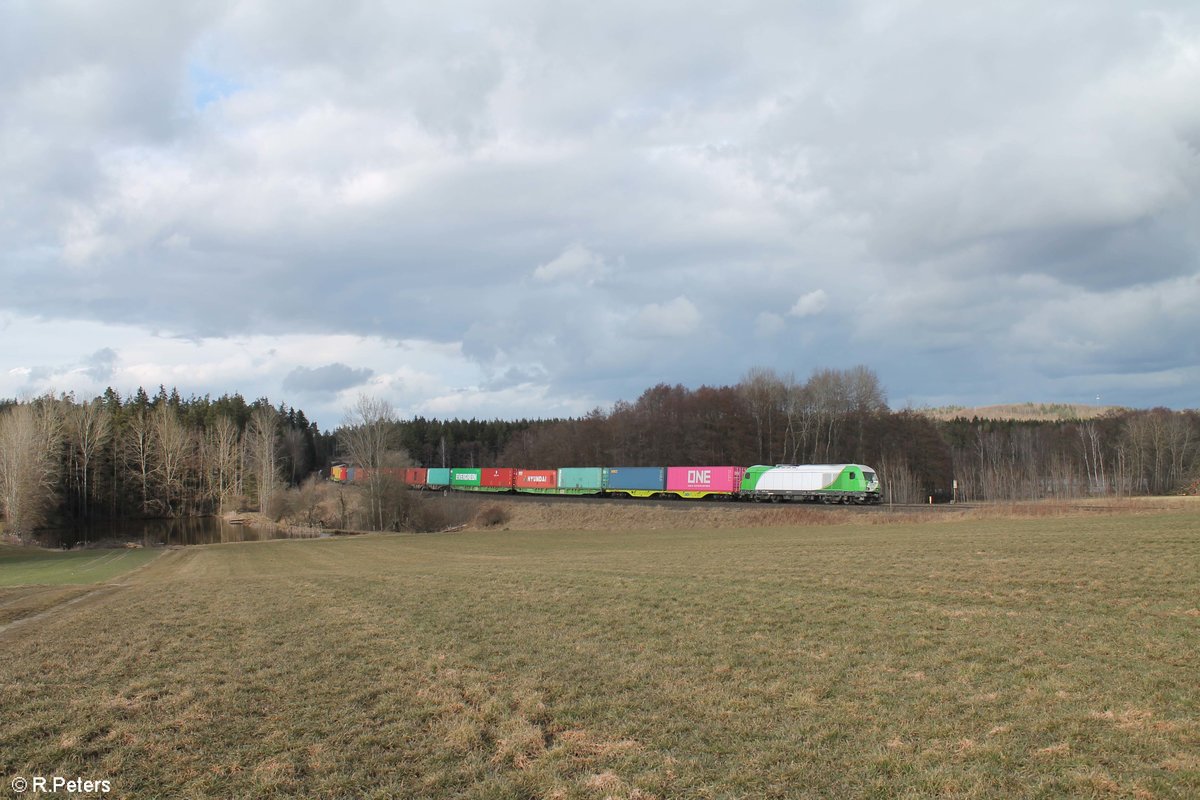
576	262
304	370
810	304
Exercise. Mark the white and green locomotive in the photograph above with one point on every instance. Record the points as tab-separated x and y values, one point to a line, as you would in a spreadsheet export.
812	483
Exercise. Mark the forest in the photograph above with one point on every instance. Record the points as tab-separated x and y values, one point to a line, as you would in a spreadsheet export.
65	460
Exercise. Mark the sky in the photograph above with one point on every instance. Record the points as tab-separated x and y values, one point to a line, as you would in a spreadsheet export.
533	209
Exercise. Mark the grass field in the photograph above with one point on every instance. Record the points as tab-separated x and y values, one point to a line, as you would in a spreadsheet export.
987	658
33	580
21	566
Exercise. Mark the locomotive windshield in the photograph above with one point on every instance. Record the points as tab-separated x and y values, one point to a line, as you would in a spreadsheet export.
869	476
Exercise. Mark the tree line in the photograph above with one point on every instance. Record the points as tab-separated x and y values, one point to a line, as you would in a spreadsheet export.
65	461
841	415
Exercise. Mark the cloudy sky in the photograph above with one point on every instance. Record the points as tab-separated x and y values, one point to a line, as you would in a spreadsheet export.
534	208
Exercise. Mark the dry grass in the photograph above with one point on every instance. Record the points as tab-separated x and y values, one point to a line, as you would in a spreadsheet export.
527	515
1048	657
1024	412
34	580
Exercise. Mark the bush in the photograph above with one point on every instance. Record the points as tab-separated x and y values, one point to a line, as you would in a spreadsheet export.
279	505
491	516
439	513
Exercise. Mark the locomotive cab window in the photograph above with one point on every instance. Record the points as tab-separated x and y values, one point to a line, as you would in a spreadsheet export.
852	476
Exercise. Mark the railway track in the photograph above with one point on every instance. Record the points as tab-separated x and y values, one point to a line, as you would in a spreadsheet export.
678	504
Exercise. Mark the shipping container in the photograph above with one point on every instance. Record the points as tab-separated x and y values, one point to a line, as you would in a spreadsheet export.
496	479
464	477
415	476
338	472
437	477
580	480
536	480
362	474
703	481
352	474
635	481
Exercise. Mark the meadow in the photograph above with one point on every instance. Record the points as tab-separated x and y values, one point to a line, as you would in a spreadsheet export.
986	657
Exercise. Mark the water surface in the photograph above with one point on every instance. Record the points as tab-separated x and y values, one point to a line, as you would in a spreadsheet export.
158	532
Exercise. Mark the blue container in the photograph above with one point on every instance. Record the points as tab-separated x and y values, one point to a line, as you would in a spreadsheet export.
635	479
580	480
351	474
437	477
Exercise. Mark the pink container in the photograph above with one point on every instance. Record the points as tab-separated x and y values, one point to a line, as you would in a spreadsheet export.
704	479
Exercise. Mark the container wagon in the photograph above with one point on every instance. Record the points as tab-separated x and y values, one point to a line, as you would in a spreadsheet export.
635	481
536	481
696	482
475	479
580	480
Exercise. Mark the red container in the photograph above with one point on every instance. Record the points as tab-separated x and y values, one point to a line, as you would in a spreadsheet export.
537	479
414	476
362	473
704	479
496	478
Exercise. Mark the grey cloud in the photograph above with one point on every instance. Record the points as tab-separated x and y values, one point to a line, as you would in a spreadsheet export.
328	379
517	376
405	171
100	364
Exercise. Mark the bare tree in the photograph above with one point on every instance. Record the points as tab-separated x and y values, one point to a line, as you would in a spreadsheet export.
899	483
172	445
827	388
139	452
368	438
800	419
30	437
224	459
1093	457
765	394
262	443
90	427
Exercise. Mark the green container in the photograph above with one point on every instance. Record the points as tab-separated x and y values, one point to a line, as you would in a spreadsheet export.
580	480
464	478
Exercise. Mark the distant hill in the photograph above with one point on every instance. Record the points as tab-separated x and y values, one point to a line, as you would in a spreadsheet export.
1021	411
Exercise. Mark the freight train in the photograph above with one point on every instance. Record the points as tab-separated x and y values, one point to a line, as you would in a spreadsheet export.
814	483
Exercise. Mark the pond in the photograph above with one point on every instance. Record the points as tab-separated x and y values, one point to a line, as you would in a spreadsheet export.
158	532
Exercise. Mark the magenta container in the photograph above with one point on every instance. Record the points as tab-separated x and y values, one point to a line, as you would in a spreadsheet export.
704	479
